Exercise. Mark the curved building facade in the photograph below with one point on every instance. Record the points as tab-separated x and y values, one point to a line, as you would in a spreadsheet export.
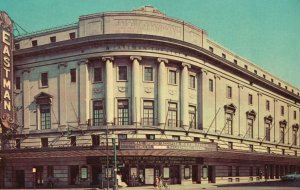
176	104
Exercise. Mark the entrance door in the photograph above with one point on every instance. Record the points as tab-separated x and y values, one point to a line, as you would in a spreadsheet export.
211	174
20	175
195	174
149	176
96	171
74	175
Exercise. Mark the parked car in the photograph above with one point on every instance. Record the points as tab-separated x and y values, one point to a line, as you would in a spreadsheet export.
291	177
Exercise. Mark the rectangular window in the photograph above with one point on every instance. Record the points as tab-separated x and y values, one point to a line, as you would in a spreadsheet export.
229	123
269	150
44	79
272	80
223	55
97	74
73	75
45	116
17	46
72	35
44	142
211	49
98	113
295	115
122	73
172	115
230	145
122	136
150	137
95	140
18	143
229	171
175	138
192	117
283	151
211	85
282	131
196	139
235	61
53	39
251	149
268	131
246	66
148	74
255	71
295	131
172	77
229	92
18	83
34	43
73	140
264	75
250	128
148	117
192	81
250	99
123	112
282	110
267	105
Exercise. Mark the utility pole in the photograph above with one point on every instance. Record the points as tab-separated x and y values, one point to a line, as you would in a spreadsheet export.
115	162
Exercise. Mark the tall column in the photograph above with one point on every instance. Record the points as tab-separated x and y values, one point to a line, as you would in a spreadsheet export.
202	85
26	99
162	84
259	126
62	94
184	103
109	90
136	89
217	114
83	91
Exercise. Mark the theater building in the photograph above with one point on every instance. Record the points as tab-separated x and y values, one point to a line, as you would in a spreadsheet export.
178	105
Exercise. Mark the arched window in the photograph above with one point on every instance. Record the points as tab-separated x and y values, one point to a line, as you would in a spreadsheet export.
44	101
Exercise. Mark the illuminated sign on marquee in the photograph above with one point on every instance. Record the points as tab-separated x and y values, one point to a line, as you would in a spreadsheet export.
6	73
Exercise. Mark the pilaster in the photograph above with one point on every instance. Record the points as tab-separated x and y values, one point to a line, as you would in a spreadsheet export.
162	84
109	90
83	91
184	95
62	94
26	99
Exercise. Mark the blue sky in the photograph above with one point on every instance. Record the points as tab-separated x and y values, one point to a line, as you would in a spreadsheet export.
266	32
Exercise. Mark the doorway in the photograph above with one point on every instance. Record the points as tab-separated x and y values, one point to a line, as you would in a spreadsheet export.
149	176
96	171
20	178
195	174
211	174
74	175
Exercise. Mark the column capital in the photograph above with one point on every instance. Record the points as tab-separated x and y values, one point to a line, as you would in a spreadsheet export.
132	58
110	58
62	65
83	61
186	65
162	60
259	94
217	76
202	70
240	86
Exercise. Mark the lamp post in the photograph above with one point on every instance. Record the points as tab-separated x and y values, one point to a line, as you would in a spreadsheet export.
115	162
33	171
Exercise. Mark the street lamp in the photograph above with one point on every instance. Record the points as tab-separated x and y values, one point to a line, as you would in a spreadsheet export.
33	171
115	162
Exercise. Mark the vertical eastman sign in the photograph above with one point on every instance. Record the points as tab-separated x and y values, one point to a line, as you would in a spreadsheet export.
6	73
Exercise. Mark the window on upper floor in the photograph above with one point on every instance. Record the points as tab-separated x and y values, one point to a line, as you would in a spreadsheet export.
230	145
279	84
267	105
72	35
150	136
34	43
44	142
295	135
172	77
295	115
172	115
192	117
122	75
286	87
18	143
18	83
192	81
282	110
251	148
44	79
211	85
269	150
123	112
45	116
148	113
246	67
73	75
224	55
235	61
98	113
264	75
255	71
17	46
282	132
267	131
53	39
148	73
196	139
211	49
272	80
175	137
73	140
250	99
249	132
97	74
229	91
122	137
229	123
95	140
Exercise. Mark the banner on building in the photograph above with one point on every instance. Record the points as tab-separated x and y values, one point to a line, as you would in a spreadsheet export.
6	73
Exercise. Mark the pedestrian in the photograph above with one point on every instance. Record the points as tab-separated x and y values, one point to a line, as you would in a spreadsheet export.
156	182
